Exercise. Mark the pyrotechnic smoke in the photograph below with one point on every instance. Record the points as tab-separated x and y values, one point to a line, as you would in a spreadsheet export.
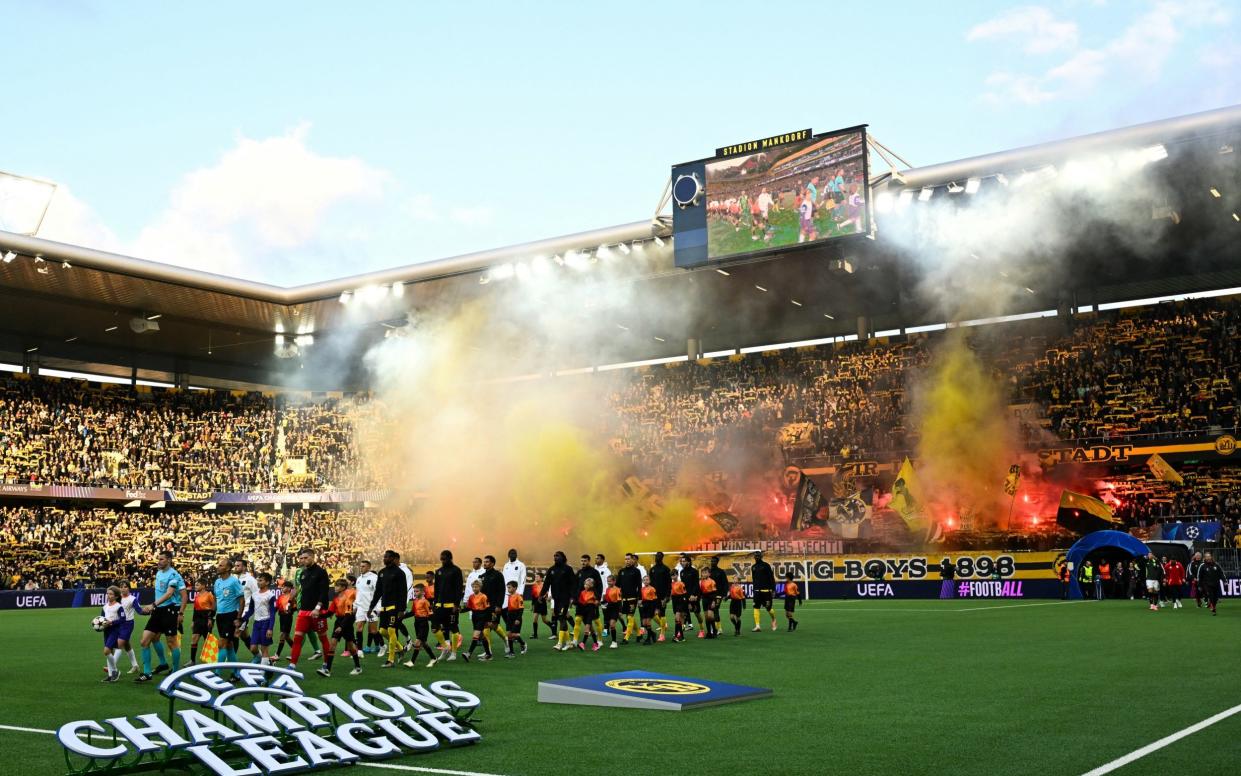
988	259
497	463
966	441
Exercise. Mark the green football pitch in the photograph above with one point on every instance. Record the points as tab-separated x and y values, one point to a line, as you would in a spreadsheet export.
868	687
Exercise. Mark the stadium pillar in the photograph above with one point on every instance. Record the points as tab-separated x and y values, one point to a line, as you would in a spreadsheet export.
1065	306
863	328
693	348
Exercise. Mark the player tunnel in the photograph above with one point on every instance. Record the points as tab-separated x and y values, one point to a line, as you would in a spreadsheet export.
1100	540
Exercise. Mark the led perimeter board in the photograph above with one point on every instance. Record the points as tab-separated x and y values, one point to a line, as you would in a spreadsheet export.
775	194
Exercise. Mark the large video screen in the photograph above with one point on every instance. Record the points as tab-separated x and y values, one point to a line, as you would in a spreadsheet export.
793	194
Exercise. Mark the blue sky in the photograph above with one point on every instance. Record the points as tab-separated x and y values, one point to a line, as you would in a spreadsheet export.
297	142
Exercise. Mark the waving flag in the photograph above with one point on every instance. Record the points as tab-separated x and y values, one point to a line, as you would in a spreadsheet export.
211	649
1163	470
806	507
1013	481
1079	512
847	516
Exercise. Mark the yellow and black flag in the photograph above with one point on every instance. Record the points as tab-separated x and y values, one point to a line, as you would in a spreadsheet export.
1163	470
1013	481
905	496
1082	513
907	502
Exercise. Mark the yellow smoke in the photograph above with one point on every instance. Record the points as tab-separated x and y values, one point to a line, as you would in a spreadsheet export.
966	437
481	465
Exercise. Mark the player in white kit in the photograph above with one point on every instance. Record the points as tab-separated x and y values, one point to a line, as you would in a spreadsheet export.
363	618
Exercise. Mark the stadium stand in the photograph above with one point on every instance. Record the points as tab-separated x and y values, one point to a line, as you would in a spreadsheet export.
1157	371
55	547
1171	369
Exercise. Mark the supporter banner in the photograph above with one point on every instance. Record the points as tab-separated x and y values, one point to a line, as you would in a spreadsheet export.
979	565
1205	447
995	565
791	547
92	598
82	493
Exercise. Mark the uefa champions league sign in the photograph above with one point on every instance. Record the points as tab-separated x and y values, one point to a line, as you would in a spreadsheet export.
279	729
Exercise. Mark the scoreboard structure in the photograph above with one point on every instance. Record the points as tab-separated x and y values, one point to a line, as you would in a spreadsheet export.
771	195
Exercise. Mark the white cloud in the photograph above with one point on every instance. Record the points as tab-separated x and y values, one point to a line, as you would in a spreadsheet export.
1041	30
70	220
261	196
271	209
1084	69
1010	87
1140	50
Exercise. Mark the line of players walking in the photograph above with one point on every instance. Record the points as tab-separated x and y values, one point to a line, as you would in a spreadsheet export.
371	611
1164	578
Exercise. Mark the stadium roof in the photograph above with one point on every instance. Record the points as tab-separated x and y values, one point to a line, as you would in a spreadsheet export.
70	307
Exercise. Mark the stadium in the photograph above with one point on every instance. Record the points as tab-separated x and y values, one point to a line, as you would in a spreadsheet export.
899	469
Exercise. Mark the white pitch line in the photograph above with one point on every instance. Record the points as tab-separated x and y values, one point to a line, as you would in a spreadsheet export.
1016	606
877	610
386	766
419	769
1137	754
27	730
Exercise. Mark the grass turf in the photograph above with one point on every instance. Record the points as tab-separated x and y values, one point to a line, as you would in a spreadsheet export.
876	687
726	240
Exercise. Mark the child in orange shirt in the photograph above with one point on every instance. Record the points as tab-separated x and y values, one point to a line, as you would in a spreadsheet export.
612	608
706	588
649	601
421	611
680	606
736	605
480	617
342	607
514	605
791	594
538	606
204	614
588	612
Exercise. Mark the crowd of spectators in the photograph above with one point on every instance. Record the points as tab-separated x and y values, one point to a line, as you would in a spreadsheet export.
1160	370
56	547
1165	370
68	432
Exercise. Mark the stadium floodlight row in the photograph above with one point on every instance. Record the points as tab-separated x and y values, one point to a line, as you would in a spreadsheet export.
75	308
